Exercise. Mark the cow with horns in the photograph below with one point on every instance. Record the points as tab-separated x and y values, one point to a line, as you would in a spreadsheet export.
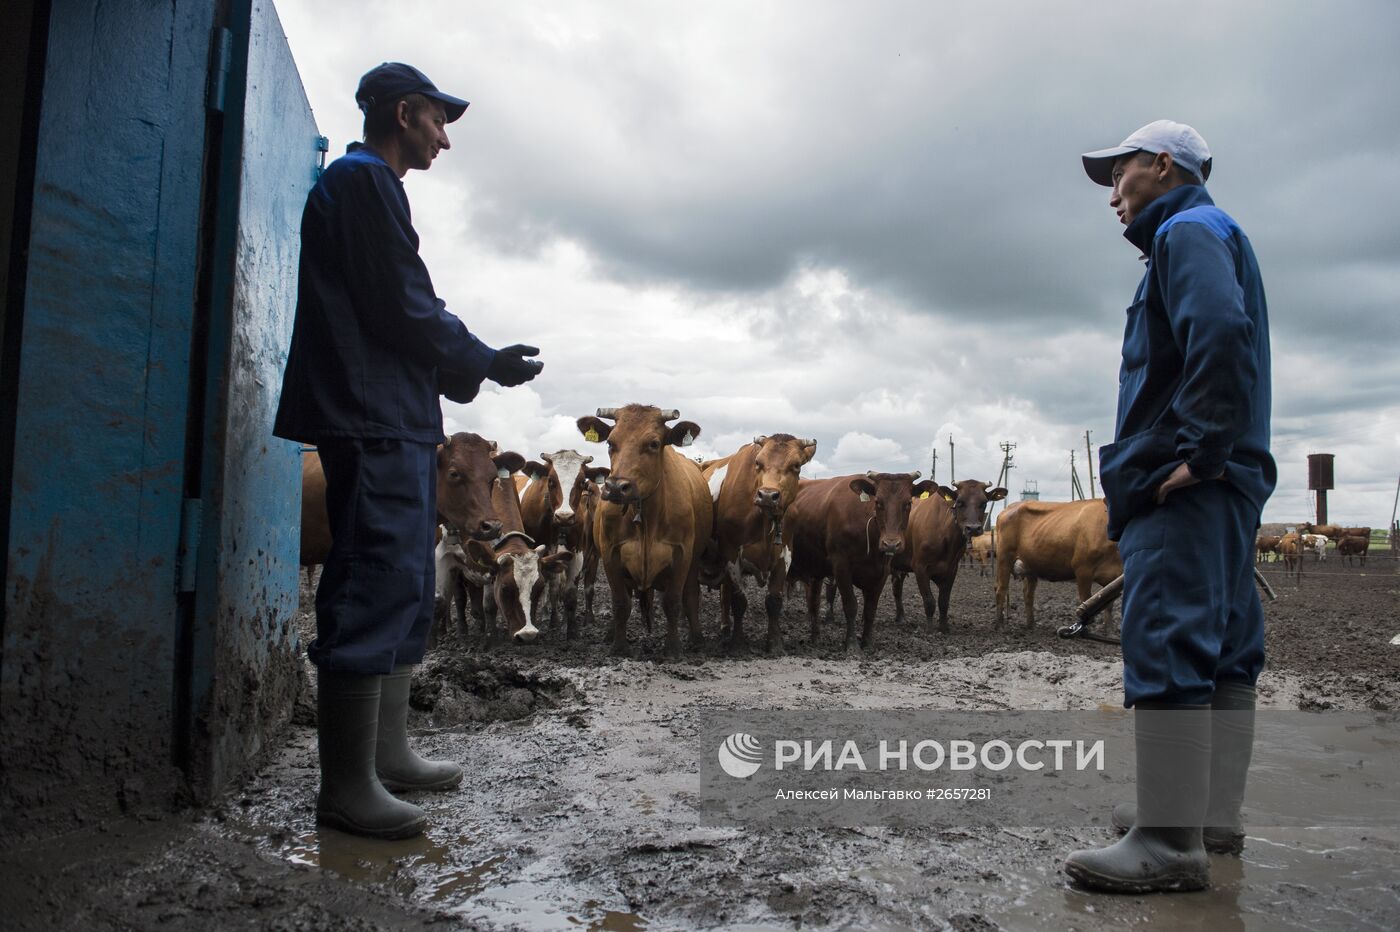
557	505
850	528
752	490
655	518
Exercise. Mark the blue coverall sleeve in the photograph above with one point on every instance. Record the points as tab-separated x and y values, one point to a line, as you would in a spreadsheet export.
1205	306
395	299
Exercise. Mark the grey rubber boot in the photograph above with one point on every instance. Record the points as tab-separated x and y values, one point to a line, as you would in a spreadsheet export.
1162	852
398	767
351	797
1232	746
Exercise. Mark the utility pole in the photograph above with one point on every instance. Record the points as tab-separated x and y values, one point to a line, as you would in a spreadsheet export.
952	462
933	464
1076	491
1093	492
1003	478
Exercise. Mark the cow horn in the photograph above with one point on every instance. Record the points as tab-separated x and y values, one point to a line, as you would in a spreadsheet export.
758	441
670	415
447	444
588	459
609	413
914	476
871	474
806	442
547	457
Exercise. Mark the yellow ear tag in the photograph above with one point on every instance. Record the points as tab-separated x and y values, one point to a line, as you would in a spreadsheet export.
865	496
923	494
502	473
591	436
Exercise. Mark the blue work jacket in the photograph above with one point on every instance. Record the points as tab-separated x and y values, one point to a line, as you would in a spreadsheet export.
1194	385
372	346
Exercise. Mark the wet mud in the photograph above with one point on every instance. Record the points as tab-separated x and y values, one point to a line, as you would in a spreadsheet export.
579	808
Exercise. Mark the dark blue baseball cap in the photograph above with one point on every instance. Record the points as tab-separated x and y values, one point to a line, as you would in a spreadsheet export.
393	80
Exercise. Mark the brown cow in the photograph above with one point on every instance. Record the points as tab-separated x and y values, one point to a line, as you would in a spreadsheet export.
1353	547
465	474
937	535
516	567
1290	549
655	518
850	528
1264	545
752	490
1057	542
557	506
982	551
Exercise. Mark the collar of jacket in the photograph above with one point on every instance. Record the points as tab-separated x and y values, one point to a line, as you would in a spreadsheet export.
1143	230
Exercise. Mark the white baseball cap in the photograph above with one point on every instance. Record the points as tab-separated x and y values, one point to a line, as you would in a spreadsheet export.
1186	146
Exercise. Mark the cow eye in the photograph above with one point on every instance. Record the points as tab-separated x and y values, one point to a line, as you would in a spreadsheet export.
654	445
454	475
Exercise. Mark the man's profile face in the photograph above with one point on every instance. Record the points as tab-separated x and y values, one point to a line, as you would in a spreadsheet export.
1137	182
424	135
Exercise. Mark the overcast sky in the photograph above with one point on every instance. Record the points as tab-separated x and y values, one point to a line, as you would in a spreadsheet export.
868	223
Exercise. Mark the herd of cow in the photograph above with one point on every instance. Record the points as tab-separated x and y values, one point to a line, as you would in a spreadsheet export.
517	537
1352	544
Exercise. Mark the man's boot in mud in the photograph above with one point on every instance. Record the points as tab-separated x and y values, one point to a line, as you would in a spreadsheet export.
398	767
1162	851
351	797
1231	747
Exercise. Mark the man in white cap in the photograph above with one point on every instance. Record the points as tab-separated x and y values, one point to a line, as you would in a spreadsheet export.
1193	408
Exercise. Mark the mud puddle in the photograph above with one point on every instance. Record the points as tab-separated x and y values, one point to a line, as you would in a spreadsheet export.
581	812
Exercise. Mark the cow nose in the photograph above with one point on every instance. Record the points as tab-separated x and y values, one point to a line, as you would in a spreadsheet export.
891	547
564	518
487	530
767	499
972	530
618	489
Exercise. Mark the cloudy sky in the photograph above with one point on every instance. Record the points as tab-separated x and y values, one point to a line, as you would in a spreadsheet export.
867	223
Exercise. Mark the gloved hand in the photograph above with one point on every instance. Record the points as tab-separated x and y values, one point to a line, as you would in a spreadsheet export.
510	367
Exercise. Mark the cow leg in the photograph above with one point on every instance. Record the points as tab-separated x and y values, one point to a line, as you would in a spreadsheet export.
1003	588
733	590
622	610
814	597
689	596
925	593
848	602
773	605
671	608
945	595
870	601
830	600
645	598
1030	599
571	613
897	584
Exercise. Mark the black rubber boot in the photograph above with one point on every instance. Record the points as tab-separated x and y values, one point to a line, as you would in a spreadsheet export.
1232	746
351	797
398	767
1163	852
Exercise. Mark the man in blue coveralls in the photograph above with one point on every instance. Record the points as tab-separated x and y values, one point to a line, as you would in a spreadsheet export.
1185	481
372	348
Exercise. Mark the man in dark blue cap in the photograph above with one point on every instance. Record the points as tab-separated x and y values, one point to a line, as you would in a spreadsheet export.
372	348
1185	481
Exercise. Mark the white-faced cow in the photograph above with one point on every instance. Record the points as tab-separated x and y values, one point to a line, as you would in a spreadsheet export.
941	524
655	518
849	528
557	505
752	491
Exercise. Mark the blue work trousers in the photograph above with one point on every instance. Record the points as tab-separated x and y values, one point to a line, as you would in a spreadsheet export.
1191	612
374	604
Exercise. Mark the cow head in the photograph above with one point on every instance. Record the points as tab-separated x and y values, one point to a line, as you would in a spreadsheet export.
892	494
567	475
777	466
467	467
969	499
520	577
637	441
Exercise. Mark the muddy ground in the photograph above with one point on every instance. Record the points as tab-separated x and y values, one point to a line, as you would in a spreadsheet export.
579	807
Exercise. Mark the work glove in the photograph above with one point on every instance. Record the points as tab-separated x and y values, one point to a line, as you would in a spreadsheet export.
510	367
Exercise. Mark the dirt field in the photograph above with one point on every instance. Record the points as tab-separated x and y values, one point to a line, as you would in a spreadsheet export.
578	811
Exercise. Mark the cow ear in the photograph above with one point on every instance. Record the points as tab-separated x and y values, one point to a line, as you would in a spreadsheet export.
508	461
809	450
556	562
683	434
948	493
863	487
925	488
594	429
598	474
996	495
535	470
481	554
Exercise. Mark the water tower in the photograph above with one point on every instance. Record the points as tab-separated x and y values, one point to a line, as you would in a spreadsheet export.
1031	493
1320	481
